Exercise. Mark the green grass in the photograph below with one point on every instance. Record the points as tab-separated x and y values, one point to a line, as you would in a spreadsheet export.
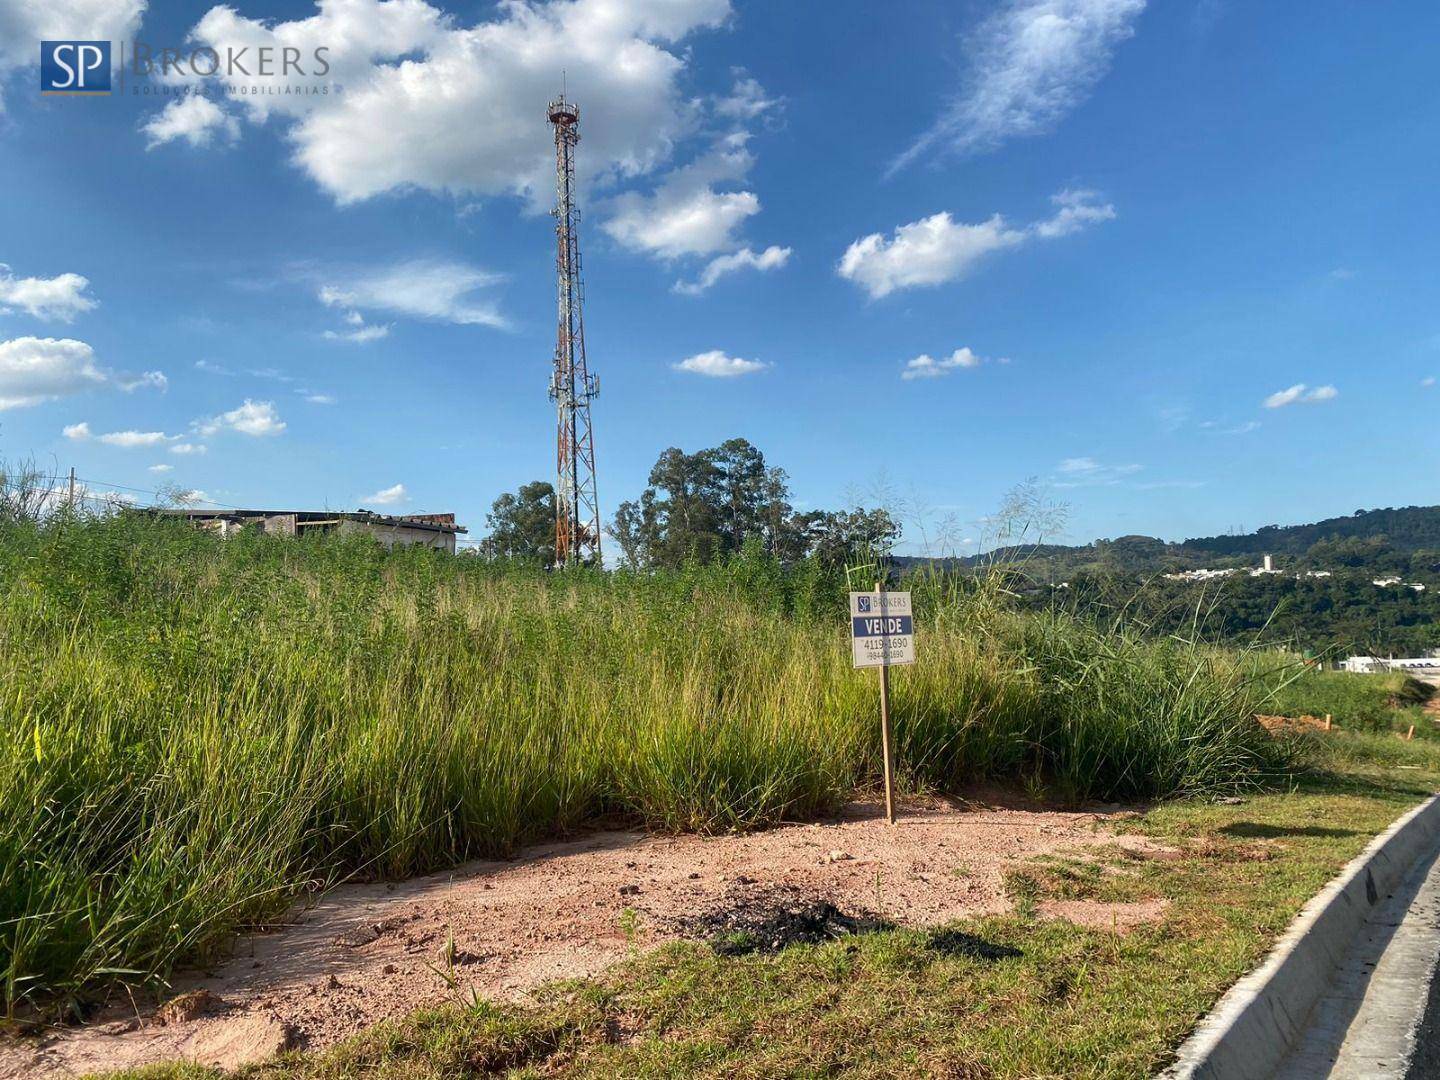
196	732
1389	701
1074	1002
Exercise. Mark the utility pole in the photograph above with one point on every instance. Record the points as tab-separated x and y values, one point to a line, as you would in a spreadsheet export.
72	487
572	387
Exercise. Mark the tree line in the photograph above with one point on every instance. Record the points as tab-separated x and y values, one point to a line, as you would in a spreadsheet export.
699	507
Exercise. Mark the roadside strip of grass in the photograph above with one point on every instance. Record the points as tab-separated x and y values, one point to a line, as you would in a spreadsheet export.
1074	1002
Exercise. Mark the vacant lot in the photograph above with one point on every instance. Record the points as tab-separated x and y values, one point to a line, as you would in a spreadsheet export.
196	732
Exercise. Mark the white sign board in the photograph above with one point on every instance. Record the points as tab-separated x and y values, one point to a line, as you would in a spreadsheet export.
882	631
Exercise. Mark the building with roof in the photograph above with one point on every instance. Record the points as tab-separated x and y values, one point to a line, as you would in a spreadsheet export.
437	531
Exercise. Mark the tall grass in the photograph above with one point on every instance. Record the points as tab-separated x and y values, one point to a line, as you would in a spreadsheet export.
196	731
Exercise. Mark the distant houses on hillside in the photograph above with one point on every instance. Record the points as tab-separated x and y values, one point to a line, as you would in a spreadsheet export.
1268	567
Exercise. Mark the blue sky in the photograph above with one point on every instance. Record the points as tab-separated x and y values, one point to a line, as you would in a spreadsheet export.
1175	261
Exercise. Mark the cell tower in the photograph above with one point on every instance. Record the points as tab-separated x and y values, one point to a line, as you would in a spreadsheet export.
577	508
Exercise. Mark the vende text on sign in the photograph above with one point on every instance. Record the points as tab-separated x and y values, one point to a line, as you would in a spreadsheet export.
882	629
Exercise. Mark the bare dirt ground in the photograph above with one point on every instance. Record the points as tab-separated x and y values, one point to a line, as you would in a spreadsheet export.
367	952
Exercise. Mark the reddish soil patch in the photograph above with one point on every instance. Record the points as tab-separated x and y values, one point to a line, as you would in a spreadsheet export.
1277	724
367	952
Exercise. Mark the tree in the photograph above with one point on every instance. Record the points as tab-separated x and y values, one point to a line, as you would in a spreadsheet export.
522	525
712	503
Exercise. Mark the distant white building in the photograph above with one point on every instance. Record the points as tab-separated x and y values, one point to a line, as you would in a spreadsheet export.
1414	665
1267	566
1200	575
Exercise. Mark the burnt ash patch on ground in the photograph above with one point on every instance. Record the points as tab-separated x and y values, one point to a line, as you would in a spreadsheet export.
766	920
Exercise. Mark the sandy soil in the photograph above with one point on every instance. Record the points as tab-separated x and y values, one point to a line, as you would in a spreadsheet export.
367	952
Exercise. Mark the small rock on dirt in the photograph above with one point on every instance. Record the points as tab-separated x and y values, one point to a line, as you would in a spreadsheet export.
629	890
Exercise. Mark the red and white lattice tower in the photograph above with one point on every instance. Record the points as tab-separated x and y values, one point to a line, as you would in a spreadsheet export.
577	508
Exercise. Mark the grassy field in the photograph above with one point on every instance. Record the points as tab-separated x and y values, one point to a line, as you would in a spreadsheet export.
1012	996
196	732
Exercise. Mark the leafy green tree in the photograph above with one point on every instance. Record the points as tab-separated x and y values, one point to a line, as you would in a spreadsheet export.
522	525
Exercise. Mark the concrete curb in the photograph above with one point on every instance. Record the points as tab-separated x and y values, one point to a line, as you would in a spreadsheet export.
1247	1035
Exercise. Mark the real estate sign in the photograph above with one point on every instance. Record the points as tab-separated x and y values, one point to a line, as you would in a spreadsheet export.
882	630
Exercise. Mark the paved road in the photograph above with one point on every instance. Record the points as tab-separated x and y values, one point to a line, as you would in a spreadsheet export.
1381	1018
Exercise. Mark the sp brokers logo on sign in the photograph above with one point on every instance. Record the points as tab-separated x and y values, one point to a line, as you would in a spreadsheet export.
75	67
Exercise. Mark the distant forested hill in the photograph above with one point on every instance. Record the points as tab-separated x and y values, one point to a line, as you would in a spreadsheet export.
1342	610
1402	540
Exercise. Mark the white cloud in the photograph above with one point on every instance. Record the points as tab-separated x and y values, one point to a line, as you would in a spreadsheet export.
26	23
1429	380
360	336
1087	472
1076	210
420	288
431	104
61	297
772	258
746	101
126	440
129	440
926	366
1300	393
189	449
255	418
938	249
161	468
194	118
396	493
718	365
33	370
1030	64
685	214
318	399
155	379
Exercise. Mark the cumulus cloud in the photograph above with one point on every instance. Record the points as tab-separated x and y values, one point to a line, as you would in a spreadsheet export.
685	214
419	288
60	298
161	468
717	365
926	366
938	249
26	23
254	418
1300	393
186	449
396	493
34	370
436	105
1030	64
772	258
194	118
